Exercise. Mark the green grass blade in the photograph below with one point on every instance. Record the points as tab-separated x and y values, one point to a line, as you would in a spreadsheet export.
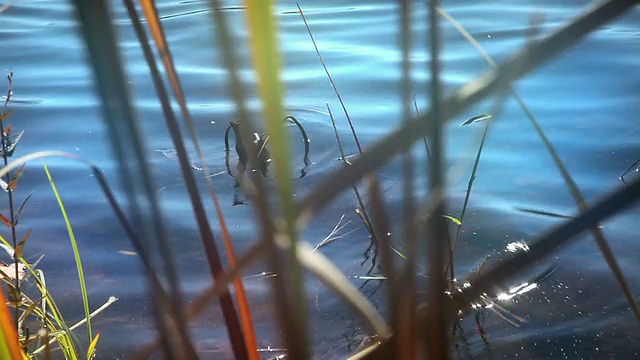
76	251
64	337
267	65
161	297
262	26
92	347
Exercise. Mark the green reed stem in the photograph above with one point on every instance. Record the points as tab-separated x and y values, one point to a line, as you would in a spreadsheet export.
76	251
267	59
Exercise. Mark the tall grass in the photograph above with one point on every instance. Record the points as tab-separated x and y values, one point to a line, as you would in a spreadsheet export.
416	330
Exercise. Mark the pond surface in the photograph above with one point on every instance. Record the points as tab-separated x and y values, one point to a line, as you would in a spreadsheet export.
586	100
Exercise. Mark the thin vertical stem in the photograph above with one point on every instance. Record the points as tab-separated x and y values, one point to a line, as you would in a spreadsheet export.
438	335
403	295
5	159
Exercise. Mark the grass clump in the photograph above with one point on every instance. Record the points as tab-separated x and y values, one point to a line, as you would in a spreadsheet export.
36	327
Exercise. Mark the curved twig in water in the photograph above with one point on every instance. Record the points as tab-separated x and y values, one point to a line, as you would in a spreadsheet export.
263	155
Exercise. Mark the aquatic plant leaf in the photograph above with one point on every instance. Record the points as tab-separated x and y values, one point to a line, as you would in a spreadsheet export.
544	213
475	119
20	246
455	221
91	352
24	202
12	143
5	221
467	196
55	322
13	183
14	296
6	115
8	130
30	309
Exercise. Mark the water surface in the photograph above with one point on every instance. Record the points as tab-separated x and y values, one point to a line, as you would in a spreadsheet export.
586	100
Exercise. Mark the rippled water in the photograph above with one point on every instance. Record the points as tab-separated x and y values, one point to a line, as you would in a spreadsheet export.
586	100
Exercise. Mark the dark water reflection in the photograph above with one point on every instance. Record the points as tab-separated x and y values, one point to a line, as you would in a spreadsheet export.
586	100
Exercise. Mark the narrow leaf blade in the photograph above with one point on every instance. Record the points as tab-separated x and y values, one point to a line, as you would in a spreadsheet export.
20	246
475	119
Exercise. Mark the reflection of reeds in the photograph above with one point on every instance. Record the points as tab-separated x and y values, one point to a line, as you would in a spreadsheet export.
428	324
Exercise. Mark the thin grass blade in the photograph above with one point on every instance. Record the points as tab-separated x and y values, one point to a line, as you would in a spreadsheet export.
333	84
91	351
544	213
266	56
74	246
24	202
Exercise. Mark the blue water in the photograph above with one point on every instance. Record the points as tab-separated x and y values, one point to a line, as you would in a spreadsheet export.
586	100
